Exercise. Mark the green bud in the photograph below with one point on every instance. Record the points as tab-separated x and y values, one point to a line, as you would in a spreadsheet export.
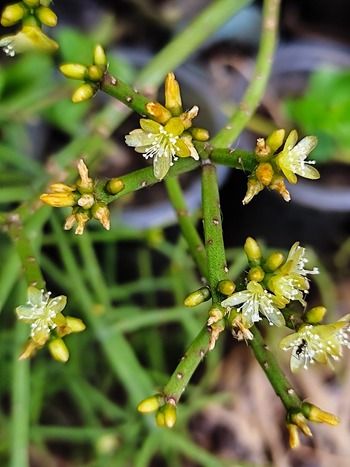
73	70
252	250
275	140
300	421
45	2
197	297
160	419
95	73
315	414
256	274
226	287
12	14
46	16
83	93
273	261
150	404
200	134
100	58
58	350
75	324
315	315
115	186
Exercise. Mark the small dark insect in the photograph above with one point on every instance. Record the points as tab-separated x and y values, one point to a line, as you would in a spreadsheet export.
300	348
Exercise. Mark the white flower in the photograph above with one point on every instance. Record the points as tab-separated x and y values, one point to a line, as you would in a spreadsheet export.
317	343
291	160
28	38
161	143
42	313
296	261
255	300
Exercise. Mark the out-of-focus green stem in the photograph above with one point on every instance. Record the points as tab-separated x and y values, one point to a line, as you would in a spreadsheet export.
187	227
20	404
256	89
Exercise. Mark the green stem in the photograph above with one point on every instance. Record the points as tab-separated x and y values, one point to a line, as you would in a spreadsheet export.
187	227
256	89
214	242
19	440
26	253
278	380
187	366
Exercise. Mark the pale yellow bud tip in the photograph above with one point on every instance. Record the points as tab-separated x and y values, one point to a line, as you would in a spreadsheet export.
197	297
83	93
315	414
114	186
226	287
294	440
150	404
100	58
73	70
252	249
12	14
59	350
315	315
58	200
46	16
75	324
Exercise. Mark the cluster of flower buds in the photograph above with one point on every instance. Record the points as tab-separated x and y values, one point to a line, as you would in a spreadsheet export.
165	411
33	15
48	324
169	133
91	75
275	164
297	421
85	197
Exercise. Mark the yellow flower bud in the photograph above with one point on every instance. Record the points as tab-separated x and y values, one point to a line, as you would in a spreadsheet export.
273	261
262	151
158	112
172	95
169	411
315	414
73	70
300	421
256	274
70	221
12	14
160	419
150	404
58	350
58	200
101	212
252	250
95	73
275	140
46	16
315	315
84	92
61	188
200	134
32	3
197	297
294	440
85	184
115	186
226	287
253	188
264	173
75	324
100	58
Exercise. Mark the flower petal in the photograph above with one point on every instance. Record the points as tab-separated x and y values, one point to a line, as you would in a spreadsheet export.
161	164
304	147
57	304
237	298
138	138
150	126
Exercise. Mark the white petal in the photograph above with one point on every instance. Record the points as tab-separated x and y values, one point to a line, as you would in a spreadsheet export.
237	298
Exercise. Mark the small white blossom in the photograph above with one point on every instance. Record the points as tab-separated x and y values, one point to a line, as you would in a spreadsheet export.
41	312
317	343
291	160
255	300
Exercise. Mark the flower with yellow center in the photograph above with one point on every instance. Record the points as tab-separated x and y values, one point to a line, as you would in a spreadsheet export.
163	144
255	300
42	313
312	344
291	160
27	39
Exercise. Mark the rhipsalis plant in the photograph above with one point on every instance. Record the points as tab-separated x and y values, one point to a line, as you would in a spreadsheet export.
274	287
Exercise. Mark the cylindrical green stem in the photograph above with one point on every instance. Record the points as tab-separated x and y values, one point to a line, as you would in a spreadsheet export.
214	242
187	227
278	380
187	366
256	89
